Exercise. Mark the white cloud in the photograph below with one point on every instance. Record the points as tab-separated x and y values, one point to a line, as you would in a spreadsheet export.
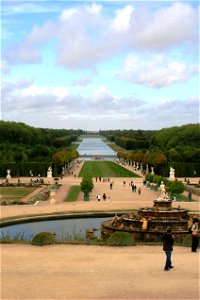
121	22
4	67
94	8
60	93
166	27
157	71
82	81
33	90
85	36
67	14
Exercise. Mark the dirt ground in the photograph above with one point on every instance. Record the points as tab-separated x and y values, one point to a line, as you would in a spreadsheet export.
94	272
97	272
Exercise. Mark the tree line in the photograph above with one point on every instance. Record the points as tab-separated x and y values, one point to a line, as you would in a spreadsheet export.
177	146
24	148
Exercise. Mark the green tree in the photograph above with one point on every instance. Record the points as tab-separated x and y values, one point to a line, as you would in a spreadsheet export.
87	186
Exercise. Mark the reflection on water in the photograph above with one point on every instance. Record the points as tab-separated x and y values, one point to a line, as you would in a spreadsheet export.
63	228
94	146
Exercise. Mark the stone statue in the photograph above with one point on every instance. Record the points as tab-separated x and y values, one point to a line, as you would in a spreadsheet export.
152	170
8	176
52	199
49	172
163	193
144	223
172	173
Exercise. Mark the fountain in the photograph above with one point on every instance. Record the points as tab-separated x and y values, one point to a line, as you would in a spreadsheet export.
150	223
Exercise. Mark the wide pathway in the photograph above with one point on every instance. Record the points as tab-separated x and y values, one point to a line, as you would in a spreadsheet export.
120	197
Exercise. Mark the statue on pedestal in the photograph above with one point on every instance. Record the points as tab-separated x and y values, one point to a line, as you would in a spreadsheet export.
49	172
172	173
152	170
163	193
8	176
52	195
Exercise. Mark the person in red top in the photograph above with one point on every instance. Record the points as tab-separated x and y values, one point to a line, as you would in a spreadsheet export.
195	239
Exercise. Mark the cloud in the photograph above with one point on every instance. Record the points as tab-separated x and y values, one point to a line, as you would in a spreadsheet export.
121	22
82	81
156	72
27	97
85	35
165	28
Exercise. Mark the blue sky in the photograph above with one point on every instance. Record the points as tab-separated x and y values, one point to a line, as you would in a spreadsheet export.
100	65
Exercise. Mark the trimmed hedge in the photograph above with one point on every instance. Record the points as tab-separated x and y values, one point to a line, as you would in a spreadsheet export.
187	241
120	238
44	238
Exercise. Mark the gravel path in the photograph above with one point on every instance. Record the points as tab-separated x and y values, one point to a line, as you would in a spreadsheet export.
97	272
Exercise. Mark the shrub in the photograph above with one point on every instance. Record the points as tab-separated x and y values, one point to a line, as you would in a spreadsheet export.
175	187
43	238
121	239
187	241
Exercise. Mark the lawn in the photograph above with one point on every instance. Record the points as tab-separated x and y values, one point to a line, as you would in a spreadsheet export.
10	194
104	169
73	193
16	191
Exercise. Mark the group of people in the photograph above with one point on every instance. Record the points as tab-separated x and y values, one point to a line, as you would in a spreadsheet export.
168	242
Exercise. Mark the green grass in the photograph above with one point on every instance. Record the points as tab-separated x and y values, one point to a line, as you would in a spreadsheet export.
11	195
104	169
9	198
16	191
73	193
116	148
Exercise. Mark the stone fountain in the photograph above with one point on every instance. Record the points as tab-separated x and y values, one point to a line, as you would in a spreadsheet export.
151	222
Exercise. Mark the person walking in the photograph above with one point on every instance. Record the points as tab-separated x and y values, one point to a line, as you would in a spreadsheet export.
195	230
190	196
104	196
168	242
98	197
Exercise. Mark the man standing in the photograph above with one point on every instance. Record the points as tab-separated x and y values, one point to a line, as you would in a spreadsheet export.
168	242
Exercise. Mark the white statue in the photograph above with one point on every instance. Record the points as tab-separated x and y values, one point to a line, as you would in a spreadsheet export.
52	199
172	173
163	193
8	176
152	170
63	170
49	172
147	169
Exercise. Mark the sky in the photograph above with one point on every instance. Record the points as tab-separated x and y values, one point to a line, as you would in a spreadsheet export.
100	65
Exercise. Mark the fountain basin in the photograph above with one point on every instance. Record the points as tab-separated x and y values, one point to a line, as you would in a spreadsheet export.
150	223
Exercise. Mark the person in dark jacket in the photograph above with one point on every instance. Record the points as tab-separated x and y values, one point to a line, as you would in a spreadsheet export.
168	242
195	231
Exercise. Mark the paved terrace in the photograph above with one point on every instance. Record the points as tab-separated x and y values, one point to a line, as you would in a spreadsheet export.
120	197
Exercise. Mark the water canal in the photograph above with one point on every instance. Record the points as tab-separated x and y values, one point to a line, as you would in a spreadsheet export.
95	147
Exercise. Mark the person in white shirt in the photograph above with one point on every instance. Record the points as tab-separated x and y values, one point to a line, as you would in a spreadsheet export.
195	238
